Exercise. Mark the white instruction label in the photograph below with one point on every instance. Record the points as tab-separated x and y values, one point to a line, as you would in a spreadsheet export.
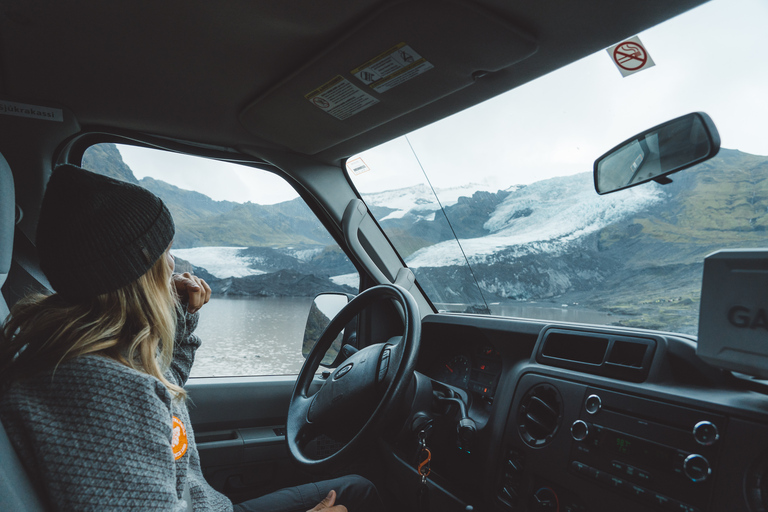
392	68
630	56
356	166
341	98
11	108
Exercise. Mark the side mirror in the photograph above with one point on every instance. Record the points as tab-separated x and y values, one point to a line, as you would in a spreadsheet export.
655	153
324	308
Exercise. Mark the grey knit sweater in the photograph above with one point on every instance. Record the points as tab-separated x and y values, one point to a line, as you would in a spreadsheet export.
97	435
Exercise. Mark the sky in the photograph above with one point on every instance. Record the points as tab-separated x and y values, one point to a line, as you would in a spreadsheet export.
710	59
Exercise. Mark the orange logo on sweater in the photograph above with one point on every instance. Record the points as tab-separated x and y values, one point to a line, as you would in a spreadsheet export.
179	443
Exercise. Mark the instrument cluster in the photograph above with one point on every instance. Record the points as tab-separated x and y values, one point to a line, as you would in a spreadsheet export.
474	369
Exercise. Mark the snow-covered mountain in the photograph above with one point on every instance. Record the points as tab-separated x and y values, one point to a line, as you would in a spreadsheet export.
544	217
222	262
553	240
419	201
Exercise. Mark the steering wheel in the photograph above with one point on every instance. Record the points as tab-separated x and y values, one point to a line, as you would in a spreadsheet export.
362	390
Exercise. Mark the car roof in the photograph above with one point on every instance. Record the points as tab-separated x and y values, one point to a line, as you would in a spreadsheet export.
239	75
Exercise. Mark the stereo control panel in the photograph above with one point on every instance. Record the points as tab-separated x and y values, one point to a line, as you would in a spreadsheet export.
564	438
667	457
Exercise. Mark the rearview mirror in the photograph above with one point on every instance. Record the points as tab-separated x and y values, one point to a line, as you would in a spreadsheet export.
324	308
652	155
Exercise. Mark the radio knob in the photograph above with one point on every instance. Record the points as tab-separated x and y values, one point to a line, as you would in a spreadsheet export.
579	430
705	433
696	467
593	404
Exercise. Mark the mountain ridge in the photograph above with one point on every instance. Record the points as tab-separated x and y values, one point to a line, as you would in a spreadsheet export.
637	253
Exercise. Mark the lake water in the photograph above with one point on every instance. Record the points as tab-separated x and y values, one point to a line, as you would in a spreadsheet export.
263	336
251	336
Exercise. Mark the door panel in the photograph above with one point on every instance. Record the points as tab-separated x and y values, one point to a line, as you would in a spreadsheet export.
239	426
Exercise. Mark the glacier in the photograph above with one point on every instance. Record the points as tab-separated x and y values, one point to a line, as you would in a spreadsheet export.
222	262
419	200
546	216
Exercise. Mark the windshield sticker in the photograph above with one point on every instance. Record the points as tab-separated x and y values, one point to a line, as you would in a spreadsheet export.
357	167
392	68
11	108
341	98
630	56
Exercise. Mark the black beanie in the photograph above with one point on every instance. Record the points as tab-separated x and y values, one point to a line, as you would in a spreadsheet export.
97	234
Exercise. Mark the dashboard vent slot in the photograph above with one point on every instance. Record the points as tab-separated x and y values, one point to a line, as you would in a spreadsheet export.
539	415
585	349
627	353
620	357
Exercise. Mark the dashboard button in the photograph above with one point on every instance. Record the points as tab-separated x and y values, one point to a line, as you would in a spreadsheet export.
626	486
640	493
580	467
604	477
617	483
637	473
579	430
593	404
706	433
684	507
696	467
581	447
660	500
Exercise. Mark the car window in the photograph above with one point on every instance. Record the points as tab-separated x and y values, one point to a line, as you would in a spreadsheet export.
495	208
253	239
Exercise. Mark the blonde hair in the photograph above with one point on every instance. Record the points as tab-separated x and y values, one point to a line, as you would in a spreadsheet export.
134	325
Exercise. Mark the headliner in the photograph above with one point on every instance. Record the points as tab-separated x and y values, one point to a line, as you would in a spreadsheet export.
234	73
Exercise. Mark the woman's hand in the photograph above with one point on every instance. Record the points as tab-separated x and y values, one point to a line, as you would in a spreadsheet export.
327	504
192	290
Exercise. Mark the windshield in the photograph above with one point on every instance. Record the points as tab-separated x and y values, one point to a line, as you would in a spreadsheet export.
495	208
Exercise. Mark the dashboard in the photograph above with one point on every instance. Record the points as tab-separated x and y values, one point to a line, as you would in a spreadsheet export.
571	418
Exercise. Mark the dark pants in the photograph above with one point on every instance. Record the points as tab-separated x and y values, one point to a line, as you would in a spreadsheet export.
354	492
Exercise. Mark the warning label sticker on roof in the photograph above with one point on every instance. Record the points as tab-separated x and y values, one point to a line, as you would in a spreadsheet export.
392	68
341	98
630	56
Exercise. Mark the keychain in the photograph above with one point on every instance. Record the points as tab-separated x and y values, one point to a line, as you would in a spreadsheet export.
424	469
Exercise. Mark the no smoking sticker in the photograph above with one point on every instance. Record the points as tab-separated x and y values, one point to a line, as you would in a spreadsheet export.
630	56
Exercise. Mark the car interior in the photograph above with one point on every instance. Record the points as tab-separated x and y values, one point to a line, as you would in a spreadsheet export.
557	416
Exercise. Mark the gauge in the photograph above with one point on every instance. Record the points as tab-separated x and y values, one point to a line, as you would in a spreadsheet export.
488	351
455	371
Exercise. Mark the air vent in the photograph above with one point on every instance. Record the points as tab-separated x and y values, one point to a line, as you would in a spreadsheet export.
599	353
539	415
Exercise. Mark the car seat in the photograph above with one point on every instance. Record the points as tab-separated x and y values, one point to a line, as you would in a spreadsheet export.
17	492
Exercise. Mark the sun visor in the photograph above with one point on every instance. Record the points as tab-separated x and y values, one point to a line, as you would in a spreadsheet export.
733	320
408	55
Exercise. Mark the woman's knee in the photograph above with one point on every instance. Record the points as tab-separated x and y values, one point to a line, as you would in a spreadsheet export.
359	493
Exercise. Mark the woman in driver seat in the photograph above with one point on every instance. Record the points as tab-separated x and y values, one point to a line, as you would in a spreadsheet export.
92	376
